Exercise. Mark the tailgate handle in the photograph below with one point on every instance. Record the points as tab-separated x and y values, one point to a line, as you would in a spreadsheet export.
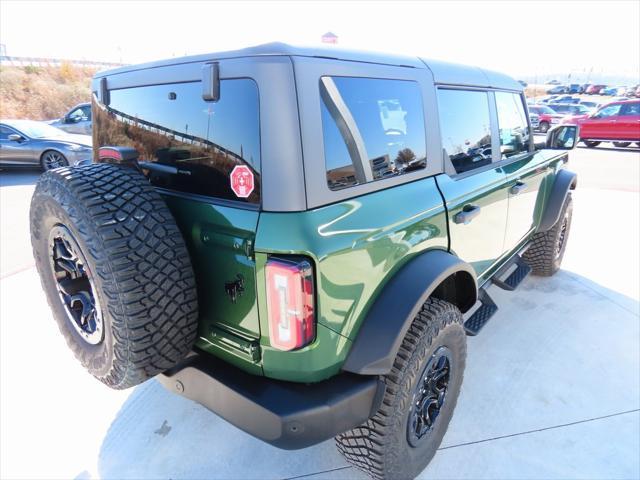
518	188
468	213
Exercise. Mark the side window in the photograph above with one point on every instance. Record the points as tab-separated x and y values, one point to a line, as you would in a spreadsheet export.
86	112
512	123
78	115
5	132
630	109
372	129
201	142
466	128
610	111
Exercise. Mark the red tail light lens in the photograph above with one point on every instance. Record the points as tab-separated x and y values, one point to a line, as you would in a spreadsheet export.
290	295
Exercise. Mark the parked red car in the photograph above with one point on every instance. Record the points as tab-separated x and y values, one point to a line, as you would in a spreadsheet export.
594	89
548	117
617	122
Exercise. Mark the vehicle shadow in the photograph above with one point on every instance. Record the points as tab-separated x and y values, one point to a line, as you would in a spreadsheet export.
14	177
157	434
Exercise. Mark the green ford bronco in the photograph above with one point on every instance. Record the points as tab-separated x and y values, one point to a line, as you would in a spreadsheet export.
301	239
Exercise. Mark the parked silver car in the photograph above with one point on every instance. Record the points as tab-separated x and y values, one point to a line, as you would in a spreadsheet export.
76	120
30	143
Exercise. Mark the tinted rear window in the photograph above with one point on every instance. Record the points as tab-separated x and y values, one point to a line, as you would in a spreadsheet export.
372	129
173	125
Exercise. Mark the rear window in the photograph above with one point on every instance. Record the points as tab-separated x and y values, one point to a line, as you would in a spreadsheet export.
372	129
172	125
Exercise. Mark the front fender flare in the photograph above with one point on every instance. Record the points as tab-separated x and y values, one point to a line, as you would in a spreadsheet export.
565	180
392	313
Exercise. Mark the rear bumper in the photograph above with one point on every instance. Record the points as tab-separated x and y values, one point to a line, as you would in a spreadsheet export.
284	414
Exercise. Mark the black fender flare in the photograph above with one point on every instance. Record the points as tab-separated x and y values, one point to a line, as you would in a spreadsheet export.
565	180
393	311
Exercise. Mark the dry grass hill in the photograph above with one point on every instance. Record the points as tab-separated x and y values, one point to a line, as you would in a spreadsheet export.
42	93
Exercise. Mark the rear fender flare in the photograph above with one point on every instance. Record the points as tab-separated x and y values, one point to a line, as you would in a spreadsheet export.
392	313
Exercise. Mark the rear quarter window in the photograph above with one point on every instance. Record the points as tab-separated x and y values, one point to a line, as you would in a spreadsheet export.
172	125
372	129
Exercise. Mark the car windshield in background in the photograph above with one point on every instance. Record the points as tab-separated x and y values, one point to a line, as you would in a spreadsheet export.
542	109
36	129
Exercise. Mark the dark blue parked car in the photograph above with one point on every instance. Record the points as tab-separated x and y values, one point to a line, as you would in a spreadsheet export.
575	88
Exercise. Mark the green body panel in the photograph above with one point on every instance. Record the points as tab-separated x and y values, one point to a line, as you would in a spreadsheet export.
220	240
356	246
525	209
552	161
506	221
481	241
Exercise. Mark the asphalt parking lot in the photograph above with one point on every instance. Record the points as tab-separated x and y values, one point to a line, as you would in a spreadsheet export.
551	390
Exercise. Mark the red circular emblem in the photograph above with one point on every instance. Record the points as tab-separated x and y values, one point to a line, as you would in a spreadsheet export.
242	181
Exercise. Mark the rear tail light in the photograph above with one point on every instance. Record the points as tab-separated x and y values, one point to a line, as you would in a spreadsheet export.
119	154
290	300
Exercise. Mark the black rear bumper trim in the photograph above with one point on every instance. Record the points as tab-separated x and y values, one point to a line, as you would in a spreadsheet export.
285	414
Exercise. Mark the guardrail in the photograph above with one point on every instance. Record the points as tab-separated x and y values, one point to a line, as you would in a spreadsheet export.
53	62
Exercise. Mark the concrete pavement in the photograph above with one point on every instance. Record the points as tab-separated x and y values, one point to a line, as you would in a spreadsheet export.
551	390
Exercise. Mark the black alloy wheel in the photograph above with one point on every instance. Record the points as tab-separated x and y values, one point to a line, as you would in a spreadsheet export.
75	285
429	396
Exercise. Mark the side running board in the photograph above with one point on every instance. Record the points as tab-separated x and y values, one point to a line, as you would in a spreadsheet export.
487	306
517	276
482	315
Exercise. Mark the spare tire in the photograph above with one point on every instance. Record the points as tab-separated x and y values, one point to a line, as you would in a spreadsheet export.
115	270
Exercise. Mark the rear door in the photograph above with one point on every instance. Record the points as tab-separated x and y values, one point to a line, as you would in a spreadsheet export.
524	169
474	187
205	159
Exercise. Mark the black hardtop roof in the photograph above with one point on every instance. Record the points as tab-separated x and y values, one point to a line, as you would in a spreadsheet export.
443	72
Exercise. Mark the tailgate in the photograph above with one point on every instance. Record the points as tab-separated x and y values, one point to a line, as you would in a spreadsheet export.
220	240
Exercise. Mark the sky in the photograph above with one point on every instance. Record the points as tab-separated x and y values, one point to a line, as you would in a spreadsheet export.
516	37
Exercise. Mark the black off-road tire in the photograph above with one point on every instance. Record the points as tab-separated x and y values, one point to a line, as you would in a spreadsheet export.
621	144
545	254
381	447
137	261
591	143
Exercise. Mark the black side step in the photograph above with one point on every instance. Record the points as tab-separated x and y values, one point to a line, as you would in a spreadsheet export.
482	315
517	276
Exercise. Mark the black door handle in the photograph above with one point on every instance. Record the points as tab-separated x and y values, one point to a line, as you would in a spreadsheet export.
468	213
518	188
